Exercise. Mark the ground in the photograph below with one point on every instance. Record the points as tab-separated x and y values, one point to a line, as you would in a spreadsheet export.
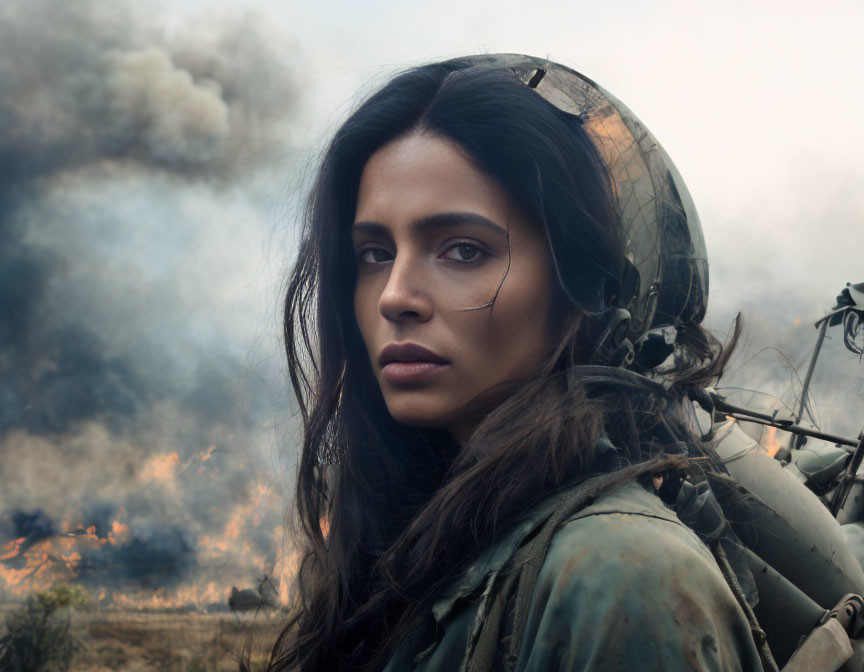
167	641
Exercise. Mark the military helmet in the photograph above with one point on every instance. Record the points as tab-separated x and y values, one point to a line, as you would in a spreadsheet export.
663	237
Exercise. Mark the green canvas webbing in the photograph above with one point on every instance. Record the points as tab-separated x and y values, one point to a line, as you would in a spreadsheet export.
528	561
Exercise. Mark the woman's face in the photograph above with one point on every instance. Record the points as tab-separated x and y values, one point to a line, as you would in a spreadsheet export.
431	236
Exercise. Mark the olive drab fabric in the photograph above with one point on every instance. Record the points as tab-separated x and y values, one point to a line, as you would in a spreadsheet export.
624	586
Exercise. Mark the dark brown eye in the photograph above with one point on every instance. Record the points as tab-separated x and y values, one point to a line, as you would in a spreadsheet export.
463	252
376	255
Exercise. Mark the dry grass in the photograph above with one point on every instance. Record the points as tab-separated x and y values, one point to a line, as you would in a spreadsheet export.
168	641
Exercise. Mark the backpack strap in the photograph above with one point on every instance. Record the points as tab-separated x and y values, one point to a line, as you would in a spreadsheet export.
528	561
759	636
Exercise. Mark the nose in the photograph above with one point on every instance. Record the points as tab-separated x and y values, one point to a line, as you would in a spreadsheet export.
404	297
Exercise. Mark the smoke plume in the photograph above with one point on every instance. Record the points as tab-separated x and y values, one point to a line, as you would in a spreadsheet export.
138	391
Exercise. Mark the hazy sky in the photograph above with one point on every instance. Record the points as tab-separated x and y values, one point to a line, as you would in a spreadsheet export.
757	103
151	161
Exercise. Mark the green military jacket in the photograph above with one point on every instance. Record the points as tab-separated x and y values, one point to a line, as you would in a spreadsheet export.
624	586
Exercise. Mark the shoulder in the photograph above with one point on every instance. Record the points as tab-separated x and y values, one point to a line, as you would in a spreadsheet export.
632	533
625	585
627	550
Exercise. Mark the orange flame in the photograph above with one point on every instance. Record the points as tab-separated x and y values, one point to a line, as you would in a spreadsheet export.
38	565
207	454
769	443
13	548
161	468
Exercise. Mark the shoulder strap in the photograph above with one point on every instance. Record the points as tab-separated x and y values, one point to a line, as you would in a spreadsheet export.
527	563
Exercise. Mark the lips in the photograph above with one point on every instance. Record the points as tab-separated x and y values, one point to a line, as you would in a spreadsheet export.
408	352
408	362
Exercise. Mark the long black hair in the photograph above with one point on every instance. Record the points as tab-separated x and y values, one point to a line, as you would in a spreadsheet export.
405	508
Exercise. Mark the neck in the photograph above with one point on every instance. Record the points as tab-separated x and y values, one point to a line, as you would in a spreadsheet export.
461	432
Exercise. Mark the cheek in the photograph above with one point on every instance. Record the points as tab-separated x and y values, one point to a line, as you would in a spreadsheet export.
516	335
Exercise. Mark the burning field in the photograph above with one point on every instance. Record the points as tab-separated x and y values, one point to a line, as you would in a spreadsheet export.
143	411
160	601
125	568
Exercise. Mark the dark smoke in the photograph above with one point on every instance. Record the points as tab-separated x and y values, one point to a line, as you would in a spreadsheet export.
33	526
155	558
29	526
131	163
87	82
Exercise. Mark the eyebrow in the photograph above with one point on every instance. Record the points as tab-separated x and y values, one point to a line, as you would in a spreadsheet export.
441	220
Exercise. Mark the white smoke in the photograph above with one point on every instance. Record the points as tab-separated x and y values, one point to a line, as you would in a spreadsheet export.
138	336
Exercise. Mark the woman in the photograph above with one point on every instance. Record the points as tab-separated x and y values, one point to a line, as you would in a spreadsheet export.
482	468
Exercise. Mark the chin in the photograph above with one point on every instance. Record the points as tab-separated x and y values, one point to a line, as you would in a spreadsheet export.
417	413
